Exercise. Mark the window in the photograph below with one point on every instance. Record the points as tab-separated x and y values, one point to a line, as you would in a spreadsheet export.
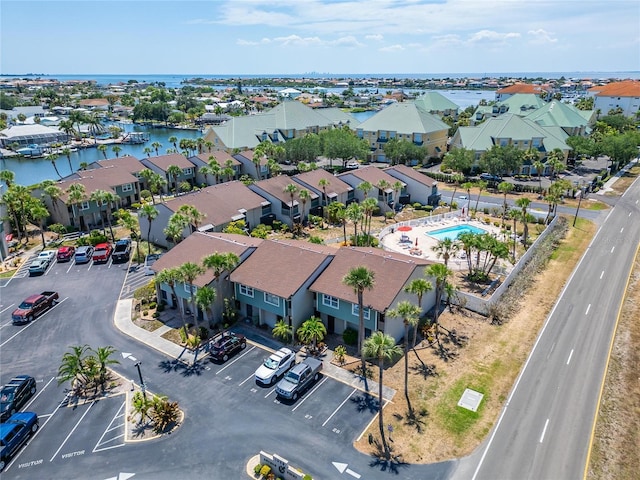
266	209
187	171
330	301
194	289
127	187
84	206
271	299
355	310
246	291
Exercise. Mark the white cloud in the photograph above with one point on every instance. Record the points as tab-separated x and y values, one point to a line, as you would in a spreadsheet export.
392	48
377	38
541	36
298	41
490	36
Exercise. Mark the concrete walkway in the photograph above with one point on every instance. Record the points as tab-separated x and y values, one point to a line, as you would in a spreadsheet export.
609	183
124	323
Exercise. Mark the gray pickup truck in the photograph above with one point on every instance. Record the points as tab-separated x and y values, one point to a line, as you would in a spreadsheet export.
299	378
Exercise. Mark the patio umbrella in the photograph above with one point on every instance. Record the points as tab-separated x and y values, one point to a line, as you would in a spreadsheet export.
404	228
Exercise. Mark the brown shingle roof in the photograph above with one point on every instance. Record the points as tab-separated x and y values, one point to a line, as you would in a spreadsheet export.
97	179
391	272
370	174
220	203
312	178
521	88
281	267
164	161
275	186
220	156
200	244
413	174
128	162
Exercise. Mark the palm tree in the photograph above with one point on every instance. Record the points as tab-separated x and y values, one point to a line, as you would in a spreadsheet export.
147	151
445	248
360	279
539	166
215	168
304	196
336	211
441	273
369	205
54	193
174	142
504	188
354	213
481	186
103	149
156	146
77	195
323	183
189	272
72	367
283	330
205	297
410	314
52	157
381	347
397	188
83	165
365	188
171	276
523	203
109	198
220	263
98	196
150	213
8	177
103	357
208	145
418	287
312	331
193	215
67	153
174	171
116	149
291	190
38	213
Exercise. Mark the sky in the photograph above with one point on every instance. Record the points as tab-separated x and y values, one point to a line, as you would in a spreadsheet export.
256	37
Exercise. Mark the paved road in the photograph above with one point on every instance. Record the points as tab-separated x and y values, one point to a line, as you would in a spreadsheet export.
545	427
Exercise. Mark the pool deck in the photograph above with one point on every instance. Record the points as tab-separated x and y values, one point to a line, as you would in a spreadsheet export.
411	238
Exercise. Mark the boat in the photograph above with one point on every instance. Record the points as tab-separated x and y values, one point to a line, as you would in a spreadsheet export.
136	137
31	150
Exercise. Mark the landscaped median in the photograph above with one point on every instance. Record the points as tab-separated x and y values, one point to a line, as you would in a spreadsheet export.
273	467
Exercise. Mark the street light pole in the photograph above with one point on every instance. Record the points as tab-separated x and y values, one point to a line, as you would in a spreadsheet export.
144	393
578	209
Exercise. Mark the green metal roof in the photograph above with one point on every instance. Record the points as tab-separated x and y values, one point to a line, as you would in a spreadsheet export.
404	118
435	102
556	113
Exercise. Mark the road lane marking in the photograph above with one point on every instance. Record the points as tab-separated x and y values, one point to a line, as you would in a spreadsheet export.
71	265
602	275
108	429
588	308
629	214
570	355
622	230
370	422
31	323
72	430
339	407
246	379
234	361
270	393
544	430
310	393
612	249
5	309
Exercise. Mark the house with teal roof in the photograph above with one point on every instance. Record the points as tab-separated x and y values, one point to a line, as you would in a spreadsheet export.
520	104
558	114
409	121
437	104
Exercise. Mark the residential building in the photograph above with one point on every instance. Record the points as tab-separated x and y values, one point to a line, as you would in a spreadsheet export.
220	204
229	167
565	116
418	187
23	135
505	92
161	164
337	304
194	249
283	207
335	189
376	177
520	104
247	166
296	265
409	121
623	95
437	104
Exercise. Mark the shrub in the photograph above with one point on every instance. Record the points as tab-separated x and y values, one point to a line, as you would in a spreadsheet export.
156	314
307	477
145	312
265	470
316	240
153	305
339	353
161	307
350	336
257	469
183	336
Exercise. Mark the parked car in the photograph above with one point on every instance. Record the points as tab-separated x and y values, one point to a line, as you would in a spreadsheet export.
14	433
102	252
275	366
15	394
225	344
48	254
150	260
33	306
490	177
299	378
84	254
122	250
66	253
39	265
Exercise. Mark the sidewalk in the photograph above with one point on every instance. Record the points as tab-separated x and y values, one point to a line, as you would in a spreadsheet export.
608	184
123	322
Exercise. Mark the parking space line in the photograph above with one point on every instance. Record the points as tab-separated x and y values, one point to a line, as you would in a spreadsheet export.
232	361
30	323
369	424
26	407
72	264
247	379
72	430
273	390
340	406
310	393
118	415
4	310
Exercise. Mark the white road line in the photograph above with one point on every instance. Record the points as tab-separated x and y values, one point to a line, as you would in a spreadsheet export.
108	429
26	407
30	323
72	264
602	275
629	214
339	407
612	249
72	430
622	230
234	361
544	430
270	393
310	393
246	380
588	308
570	355
369	424
4	310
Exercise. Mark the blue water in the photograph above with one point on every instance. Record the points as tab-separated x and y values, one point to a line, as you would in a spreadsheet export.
32	171
453	232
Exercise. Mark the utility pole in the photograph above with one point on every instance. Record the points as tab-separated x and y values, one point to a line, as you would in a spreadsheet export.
581	193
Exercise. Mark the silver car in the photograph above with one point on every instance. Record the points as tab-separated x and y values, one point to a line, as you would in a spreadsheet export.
83	254
39	265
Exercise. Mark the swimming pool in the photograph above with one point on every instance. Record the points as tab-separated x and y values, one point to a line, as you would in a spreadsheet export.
454	232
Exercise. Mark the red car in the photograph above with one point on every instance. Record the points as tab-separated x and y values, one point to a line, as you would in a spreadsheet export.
102	252
66	253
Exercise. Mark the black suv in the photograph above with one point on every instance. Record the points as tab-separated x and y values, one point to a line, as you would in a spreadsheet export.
15	394
122	250
225	344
